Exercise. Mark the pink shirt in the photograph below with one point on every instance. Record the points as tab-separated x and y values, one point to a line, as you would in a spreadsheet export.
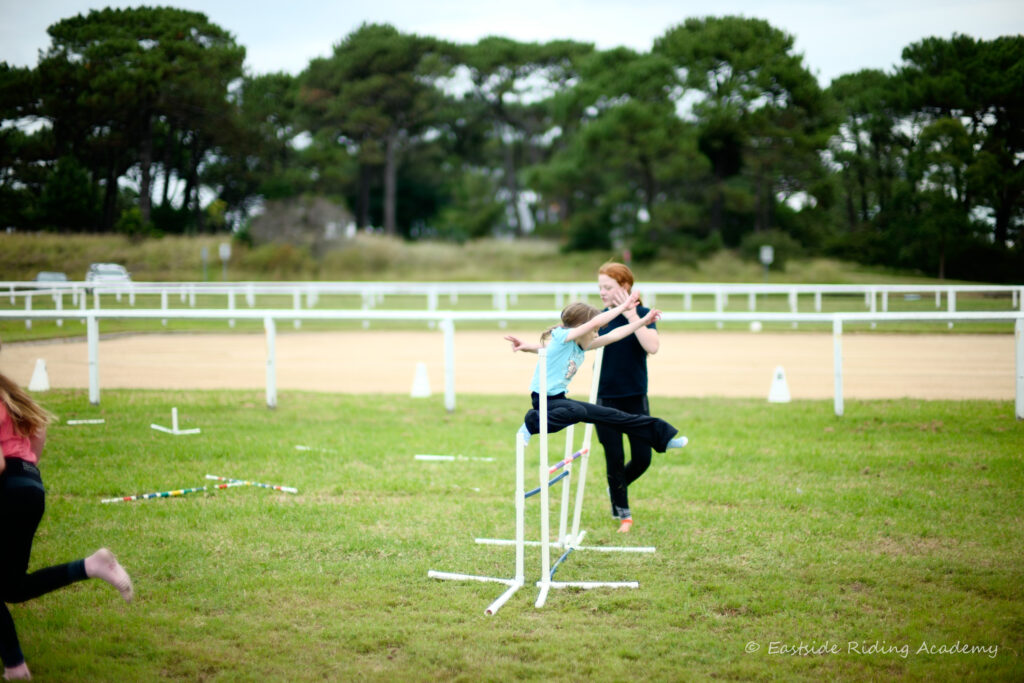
13	444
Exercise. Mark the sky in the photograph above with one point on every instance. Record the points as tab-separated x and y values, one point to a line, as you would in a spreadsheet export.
835	37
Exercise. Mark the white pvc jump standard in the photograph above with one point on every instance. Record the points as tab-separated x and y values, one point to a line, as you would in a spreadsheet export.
568	542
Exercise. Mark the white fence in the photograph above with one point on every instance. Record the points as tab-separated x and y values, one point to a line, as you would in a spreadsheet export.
673	296
446	320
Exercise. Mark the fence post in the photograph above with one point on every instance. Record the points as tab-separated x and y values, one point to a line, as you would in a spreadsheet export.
448	327
1018	328
93	336
837	364
719	304
297	305
271	330
28	309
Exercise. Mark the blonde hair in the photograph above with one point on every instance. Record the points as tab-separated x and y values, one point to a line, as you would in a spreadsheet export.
27	416
573	315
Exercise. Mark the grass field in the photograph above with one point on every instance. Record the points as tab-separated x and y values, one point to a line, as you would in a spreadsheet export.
791	545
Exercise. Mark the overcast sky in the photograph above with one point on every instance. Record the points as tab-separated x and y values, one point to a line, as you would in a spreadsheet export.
834	36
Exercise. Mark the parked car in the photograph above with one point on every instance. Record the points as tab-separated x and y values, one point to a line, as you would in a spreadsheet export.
107	272
51	276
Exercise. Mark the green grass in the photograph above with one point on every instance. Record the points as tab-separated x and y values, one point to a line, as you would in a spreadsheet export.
899	523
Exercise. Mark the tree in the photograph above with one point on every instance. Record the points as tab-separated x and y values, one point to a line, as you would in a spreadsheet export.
627	170
760	111
121	80
980	83
510	82
374	96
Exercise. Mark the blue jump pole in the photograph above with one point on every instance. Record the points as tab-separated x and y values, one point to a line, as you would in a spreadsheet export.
550	484
560	560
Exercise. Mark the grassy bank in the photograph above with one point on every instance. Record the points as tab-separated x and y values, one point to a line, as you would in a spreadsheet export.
791	545
371	257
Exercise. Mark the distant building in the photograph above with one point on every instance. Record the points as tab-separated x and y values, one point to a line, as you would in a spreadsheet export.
316	222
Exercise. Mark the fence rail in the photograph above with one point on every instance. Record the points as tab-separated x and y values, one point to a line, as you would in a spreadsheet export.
503	295
446	322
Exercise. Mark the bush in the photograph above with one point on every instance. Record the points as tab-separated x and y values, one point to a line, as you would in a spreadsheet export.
131	224
279	260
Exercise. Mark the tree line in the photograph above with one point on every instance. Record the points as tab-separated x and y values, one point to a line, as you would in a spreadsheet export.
145	121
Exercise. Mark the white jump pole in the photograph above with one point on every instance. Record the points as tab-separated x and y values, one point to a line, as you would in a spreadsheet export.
588	433
545	532
520	577
563	512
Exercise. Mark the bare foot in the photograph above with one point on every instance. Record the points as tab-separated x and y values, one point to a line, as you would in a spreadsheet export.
625	526
17	673
103	565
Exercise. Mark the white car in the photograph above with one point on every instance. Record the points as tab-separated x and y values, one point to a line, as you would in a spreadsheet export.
107	272
51	276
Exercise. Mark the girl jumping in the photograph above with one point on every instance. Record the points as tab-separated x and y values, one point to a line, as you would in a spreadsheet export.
566	344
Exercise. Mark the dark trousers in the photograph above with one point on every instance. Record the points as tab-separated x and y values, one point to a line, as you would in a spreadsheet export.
563	412
22	500
620	473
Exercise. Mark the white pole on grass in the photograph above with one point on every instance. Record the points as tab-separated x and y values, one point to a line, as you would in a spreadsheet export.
271	328
93	335
837	363
545	532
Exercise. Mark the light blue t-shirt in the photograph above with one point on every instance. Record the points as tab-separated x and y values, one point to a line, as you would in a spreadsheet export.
564	359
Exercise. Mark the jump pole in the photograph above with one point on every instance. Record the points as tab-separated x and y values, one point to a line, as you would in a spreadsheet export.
545	531
519	580
246	482
588	432
172	493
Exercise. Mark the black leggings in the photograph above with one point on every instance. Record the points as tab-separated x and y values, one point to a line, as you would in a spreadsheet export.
22	499
563	412
620	473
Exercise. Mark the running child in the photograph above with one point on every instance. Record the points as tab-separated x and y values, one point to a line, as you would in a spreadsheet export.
22	499
566	345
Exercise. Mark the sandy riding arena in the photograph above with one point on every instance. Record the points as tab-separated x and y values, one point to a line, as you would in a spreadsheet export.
732	364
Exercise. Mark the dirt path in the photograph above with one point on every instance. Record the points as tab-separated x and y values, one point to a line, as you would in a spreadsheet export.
954	366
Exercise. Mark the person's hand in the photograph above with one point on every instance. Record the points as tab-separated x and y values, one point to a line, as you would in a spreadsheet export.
653	316
617	296
629	301
517	343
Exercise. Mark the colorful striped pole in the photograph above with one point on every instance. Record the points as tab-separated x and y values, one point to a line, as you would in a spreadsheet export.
167	494
246	482
563	463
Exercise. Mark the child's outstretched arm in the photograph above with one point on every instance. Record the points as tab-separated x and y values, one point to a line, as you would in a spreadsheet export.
519	345
602	319
622	332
